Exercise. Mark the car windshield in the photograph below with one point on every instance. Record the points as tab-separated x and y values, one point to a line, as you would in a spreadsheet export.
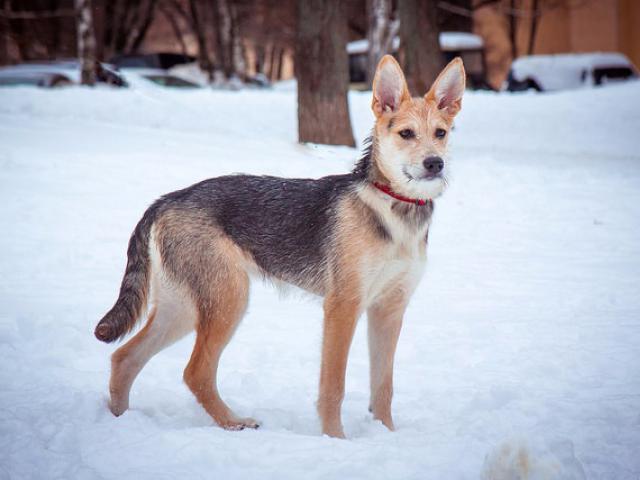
11	81
170	81
611	74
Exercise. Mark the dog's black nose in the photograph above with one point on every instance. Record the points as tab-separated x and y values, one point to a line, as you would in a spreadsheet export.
433	165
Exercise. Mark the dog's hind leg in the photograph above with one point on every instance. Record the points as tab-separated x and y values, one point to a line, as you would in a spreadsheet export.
384	322
129	360
172	316
220	311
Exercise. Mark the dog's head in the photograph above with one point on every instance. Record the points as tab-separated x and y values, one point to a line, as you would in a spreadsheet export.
411	134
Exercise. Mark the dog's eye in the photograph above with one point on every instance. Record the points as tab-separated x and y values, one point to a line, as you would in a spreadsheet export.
440	133
407	133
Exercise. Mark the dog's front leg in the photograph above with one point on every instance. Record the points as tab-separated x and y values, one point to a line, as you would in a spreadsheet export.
340	316
385	321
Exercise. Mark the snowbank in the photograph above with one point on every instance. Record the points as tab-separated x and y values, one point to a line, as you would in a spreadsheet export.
525	327
449	41
565	71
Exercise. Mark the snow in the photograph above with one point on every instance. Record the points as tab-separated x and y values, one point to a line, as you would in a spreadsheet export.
518	356
69	69
460	41
449	41
565	71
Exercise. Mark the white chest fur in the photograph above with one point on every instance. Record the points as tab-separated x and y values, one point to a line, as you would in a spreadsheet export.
399	264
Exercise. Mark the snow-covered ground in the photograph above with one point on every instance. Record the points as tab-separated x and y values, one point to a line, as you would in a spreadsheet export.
520	353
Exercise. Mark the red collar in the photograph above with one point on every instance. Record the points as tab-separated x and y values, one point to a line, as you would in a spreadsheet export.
386	189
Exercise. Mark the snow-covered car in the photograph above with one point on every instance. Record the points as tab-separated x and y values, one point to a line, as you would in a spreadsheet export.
468	46
36	79
55	74
150	77
193	73
545	73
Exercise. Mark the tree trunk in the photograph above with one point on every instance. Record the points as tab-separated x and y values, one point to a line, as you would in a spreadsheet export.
280	63
4	33
322	70
457	15
24	40
136	36
260	57
198	31
419	42
512	30
535	15
380	34
275	58
237	47
269	61
86	42
224	37
175	27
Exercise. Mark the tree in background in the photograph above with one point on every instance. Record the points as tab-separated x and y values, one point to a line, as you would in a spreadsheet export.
322	73
383	27
36	29
225	37
4	32
268	29
86	42
126	23
199	31
420	54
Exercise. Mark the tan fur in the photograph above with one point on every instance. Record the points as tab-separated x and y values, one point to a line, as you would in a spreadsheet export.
385	321
175	312
344	303
200	276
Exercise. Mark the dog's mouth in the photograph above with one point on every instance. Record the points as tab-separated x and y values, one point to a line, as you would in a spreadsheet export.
426	176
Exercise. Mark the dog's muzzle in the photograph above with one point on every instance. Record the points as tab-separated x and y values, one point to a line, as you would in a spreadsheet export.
433	166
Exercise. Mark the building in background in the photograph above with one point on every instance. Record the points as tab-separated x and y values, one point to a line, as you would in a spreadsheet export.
33	30
561	26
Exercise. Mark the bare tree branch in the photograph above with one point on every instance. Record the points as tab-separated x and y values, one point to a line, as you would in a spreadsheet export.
138	33
164	9
6	12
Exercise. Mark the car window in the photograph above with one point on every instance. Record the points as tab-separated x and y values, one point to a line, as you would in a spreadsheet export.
609	74
170	81
13	81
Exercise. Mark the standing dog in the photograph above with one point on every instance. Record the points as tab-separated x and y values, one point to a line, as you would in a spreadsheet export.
359	240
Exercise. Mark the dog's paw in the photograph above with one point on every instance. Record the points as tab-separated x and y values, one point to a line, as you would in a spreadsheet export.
236	424
335	432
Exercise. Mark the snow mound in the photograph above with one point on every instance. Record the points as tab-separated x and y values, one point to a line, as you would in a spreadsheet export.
449	41
565	71
526	323
520	460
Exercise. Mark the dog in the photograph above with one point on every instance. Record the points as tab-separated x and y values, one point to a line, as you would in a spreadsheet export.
358	240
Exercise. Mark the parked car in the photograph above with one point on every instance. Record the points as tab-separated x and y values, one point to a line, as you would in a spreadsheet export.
545	73
466	45
193	73
145	77
36	79
56	73
160	60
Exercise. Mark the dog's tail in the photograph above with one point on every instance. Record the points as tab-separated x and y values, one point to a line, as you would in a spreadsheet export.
132	299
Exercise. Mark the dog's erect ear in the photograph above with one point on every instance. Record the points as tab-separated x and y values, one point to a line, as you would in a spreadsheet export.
448	88
389	87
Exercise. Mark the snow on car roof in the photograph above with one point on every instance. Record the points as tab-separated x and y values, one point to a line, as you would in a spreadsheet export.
448	41
573	60
70	68
65	68
460	41
554	72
